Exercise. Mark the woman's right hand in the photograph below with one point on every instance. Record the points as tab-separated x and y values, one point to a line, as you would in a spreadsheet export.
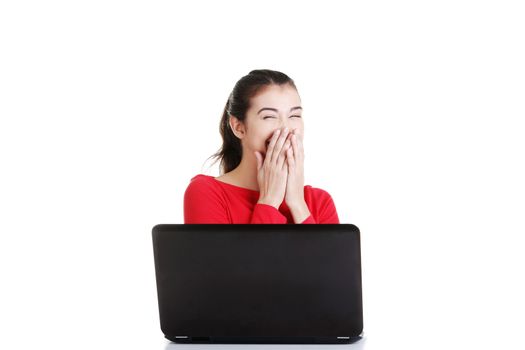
272	171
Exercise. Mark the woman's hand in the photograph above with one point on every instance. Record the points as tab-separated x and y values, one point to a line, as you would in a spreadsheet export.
273	169
294	196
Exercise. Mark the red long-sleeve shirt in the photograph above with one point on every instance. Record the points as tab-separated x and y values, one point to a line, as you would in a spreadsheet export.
210	201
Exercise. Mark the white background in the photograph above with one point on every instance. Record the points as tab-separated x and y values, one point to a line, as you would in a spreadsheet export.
414	123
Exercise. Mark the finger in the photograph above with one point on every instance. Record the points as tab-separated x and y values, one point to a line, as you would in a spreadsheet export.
271	146
298	148
290	158
279	146
295	146
282	155
297	132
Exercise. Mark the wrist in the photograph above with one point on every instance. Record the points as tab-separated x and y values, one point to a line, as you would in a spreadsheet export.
300	212
267	202
297	205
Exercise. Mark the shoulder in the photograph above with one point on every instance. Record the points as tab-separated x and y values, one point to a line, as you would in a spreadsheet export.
202	179
204	202
323	205
319	197
202	184
317	192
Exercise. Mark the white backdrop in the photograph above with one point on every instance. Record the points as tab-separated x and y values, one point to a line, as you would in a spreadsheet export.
414	123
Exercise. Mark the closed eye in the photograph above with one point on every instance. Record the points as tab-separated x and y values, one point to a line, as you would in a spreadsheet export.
269	116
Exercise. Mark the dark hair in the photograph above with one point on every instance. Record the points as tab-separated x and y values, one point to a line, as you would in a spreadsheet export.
230	154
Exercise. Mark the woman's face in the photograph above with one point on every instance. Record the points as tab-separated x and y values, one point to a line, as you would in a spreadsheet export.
274	107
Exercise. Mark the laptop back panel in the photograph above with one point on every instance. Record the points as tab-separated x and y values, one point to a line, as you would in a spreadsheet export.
259	283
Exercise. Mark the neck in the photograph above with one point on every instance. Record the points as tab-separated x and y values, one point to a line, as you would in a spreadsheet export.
245	173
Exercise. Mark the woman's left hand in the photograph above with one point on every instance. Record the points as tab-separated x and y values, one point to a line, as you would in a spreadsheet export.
294	196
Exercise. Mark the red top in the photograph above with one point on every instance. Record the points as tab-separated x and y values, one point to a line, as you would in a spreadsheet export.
210	201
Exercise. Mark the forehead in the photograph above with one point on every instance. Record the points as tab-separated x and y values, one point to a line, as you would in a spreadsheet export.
276	96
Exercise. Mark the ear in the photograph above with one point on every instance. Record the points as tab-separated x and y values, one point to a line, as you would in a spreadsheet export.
237	127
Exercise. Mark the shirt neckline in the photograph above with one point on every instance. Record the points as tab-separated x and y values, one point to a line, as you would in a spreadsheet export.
234	186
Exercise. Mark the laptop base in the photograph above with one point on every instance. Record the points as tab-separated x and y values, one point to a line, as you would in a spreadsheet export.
266	340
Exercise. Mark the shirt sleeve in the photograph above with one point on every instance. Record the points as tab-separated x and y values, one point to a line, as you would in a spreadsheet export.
266	214
309	220
327	211
327	214
204	204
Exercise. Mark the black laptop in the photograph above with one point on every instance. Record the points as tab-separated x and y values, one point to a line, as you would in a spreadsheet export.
259	283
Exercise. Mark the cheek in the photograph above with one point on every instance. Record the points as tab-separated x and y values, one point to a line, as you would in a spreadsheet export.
268	139
301	133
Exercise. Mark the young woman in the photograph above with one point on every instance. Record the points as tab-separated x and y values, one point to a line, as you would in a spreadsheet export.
262	161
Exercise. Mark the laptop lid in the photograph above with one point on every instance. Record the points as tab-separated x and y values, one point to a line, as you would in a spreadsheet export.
261	283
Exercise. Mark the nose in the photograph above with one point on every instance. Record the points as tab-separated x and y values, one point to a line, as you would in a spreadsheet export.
285	125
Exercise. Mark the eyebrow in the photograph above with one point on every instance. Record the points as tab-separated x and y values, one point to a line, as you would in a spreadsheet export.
275	109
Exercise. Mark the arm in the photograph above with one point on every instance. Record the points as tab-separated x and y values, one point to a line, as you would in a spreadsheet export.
301	214
326	210
267	214
328	213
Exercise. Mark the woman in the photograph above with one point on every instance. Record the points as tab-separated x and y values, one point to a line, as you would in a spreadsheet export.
262	161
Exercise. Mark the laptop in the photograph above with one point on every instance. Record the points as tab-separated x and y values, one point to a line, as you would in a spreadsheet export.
259	283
